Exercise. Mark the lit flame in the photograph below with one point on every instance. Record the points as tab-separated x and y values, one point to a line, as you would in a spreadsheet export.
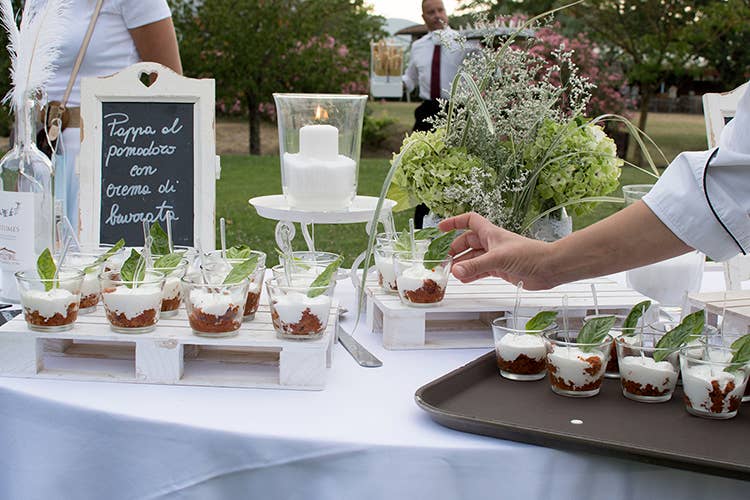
320	113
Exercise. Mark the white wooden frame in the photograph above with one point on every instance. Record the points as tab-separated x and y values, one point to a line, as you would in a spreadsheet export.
126	86
717	107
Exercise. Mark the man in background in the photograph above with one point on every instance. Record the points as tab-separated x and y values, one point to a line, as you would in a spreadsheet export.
433	64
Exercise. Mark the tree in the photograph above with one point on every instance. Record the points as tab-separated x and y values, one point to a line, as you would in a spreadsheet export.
254	48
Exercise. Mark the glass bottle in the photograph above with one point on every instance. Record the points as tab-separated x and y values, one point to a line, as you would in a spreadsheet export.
26	202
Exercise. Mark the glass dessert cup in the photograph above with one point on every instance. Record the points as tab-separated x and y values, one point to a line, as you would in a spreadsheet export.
91	294
383	256
222	267
132	306
642	377
189	253
214	309
613	370
53	310
713	386
575	369
172	294
294	313
521	354
420	282
319	146
307	258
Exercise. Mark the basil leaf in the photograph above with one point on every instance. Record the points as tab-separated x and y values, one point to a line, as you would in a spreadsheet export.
403	242
168	263
638	310
427	233
737	344
741	355
45	267
321	282
595	331
239	252
103	257
160	243
132	270
439	248
241	270
541	321
688	330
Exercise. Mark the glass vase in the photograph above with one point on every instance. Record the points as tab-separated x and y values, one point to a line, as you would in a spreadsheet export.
319	146
552	227
26	202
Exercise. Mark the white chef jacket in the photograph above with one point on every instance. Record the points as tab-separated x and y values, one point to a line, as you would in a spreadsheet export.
419	71
679	198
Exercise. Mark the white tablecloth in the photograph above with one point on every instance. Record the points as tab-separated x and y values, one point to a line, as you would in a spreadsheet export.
363	437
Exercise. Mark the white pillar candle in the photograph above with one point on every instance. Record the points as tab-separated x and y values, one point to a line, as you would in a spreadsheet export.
319	142
318	178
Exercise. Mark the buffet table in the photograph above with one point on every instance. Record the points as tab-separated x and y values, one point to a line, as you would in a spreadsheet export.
362	437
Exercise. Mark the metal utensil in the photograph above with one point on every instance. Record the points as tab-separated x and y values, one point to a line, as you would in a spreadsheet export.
361	355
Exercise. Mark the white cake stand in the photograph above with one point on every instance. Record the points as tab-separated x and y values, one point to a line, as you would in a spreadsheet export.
275	207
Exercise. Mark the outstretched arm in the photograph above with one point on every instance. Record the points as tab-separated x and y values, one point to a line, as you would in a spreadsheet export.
630	238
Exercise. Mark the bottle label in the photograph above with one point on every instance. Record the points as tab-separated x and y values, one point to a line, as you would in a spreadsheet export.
18	227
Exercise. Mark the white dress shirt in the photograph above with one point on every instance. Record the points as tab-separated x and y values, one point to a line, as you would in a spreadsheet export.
679	199
419	70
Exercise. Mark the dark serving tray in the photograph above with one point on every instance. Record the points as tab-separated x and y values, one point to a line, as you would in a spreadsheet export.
474	398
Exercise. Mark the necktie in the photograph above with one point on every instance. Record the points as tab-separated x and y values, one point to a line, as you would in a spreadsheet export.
435	74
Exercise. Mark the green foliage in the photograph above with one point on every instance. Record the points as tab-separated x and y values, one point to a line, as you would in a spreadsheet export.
321	282
46	268
255	48
375	129
241	270
595	331
541	321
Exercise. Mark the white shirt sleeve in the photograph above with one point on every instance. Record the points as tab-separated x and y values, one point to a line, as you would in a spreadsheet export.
411	76
137	13
721	228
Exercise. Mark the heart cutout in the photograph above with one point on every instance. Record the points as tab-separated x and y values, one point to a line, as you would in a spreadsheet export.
148	79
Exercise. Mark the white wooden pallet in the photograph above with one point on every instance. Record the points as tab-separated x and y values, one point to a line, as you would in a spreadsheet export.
733	305
463	319
171	354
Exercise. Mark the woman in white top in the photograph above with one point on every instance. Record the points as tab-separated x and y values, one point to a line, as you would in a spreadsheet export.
126	32
701	202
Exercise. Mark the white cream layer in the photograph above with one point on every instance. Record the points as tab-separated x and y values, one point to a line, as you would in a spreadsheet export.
290	307
90	285
642	370
696	382
132	301
47	304
570	364
172	287
386	269
215	303
511	346
414	276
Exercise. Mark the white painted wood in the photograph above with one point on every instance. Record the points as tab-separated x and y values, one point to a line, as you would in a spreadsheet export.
159	361
171	354
168	87
463	319
716	108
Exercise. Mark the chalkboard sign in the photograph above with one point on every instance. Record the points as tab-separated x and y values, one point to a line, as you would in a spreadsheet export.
147	169
147	150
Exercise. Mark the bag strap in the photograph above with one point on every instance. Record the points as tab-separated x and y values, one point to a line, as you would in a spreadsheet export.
53	121
81	52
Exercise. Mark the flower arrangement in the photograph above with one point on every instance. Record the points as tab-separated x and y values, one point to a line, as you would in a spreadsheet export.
513	143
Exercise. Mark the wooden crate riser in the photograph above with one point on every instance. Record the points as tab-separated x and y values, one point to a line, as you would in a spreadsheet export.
732	306
463	319
170	354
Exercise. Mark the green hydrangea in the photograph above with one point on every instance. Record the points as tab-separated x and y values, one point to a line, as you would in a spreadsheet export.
577	160
430	167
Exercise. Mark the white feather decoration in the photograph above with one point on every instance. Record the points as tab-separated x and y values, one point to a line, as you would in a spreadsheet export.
8	20
43	26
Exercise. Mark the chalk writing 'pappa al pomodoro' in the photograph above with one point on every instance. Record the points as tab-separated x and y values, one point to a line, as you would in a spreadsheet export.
147	168
117	126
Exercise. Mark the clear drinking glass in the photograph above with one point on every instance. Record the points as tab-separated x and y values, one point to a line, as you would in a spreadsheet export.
214	309
521	354
50	305
634	192
575	369
713	385
299	312
90	291
132	306
421	282
643	377
255	280
319	146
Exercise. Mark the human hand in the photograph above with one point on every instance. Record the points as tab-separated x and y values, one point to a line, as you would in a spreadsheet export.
493	251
